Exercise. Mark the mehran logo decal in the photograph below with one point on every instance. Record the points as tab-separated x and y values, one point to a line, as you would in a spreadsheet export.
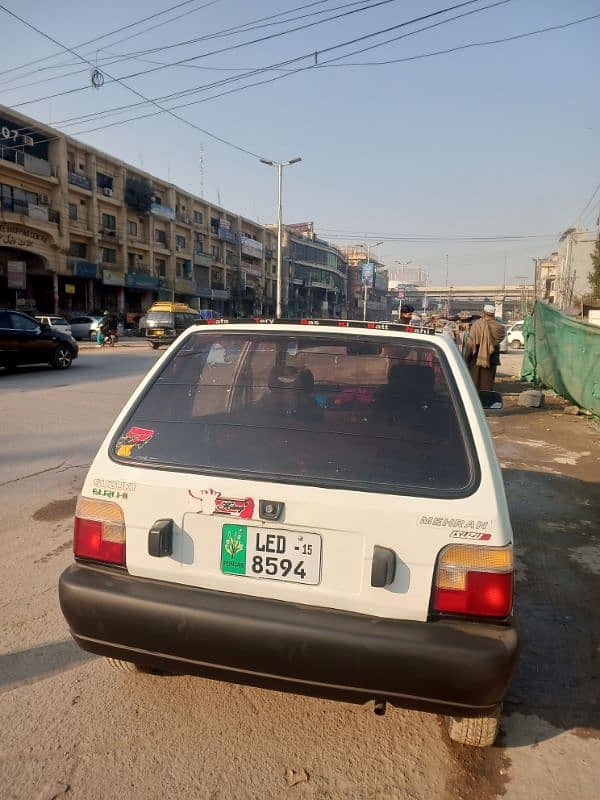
211	502
455	523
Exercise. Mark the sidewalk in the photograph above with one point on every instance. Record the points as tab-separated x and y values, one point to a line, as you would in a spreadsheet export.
125	341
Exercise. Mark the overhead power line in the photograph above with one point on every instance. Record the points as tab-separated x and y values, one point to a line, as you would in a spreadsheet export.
260	22
260	40
120	29
405	237
589	202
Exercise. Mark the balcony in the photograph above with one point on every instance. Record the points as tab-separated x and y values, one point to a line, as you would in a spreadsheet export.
227	235
31	210
181	216
81	181
232	261
202	259
31	164
251	248
109	233
162	211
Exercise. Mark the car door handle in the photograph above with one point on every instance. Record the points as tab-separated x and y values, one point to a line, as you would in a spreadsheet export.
160	538
383	568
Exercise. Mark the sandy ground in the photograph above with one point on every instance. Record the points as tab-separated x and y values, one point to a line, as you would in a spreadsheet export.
72	728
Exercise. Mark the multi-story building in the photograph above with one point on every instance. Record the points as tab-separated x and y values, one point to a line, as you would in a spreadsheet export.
82	231
562	278
314	273
377	304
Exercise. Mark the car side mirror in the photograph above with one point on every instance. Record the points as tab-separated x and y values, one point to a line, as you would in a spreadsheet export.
491	400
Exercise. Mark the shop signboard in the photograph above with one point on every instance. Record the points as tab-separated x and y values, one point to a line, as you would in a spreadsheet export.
69	288
111	277
85	269
138	280
17	274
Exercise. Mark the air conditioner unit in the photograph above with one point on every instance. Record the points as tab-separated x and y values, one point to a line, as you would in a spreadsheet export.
44	201
108	192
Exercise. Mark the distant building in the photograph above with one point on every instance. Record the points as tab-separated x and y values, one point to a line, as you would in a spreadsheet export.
562	277
81	230
377	304
314	274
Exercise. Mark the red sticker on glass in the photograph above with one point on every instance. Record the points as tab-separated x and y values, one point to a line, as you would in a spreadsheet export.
132	440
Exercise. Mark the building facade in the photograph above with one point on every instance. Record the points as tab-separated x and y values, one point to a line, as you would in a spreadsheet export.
314	274
562	278
377	306
82	231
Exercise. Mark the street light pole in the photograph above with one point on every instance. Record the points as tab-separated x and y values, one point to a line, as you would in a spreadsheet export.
280	165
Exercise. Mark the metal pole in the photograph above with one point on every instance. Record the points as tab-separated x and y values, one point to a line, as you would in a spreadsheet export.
365	286
279	215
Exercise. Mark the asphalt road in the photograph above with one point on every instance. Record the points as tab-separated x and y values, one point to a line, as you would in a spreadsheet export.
72	728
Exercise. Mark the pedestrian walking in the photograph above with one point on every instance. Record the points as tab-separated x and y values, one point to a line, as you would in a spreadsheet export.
482	350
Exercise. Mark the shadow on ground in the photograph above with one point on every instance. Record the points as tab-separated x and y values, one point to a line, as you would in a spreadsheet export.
557	534
31	665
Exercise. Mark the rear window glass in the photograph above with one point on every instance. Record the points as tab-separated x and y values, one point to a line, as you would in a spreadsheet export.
160	318
330	411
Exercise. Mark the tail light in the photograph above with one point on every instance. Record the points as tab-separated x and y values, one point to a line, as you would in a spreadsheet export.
99	531
474	580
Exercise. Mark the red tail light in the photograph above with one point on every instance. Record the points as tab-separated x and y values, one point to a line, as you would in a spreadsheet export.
99	532
474	580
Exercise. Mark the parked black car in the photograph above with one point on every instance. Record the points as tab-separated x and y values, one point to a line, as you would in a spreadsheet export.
23	340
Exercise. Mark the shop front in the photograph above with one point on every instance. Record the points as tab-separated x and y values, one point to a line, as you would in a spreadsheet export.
141	291
28	268
80	292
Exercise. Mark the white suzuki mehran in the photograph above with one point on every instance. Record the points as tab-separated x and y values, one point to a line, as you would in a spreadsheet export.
311	506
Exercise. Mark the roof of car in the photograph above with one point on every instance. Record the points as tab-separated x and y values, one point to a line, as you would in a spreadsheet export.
339	324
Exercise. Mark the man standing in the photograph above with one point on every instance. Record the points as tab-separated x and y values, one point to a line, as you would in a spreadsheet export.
406	313
482	351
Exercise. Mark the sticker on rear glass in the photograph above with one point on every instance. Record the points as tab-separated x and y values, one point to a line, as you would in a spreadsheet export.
133	439
211	502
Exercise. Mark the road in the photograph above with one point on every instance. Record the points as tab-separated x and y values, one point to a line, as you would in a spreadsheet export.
72	728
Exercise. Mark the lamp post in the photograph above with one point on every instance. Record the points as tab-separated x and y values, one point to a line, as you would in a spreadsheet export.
280	165
365	286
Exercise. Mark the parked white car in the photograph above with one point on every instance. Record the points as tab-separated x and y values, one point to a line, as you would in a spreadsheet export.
85	327
310	507
515	337
55	322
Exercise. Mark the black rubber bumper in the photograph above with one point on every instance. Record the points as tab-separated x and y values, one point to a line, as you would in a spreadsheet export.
460	668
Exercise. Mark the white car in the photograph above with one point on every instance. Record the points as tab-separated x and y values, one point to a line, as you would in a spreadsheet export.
516	339
319	510
85	327
55	322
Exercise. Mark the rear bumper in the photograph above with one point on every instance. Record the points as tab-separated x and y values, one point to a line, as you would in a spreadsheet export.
460	668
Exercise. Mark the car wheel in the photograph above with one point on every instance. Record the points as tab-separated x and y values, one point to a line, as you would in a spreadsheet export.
129	666
475	731
62	358
514	344
154	345
93	336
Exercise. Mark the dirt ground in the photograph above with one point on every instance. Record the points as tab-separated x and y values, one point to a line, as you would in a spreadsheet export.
72	728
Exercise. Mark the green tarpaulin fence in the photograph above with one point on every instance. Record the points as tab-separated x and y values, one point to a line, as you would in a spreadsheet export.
563	354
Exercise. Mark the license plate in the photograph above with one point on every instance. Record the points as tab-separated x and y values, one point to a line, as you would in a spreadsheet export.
268	553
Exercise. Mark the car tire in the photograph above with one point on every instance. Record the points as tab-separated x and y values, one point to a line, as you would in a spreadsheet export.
154	345
63	358
515	344
93	336
475	731
128	666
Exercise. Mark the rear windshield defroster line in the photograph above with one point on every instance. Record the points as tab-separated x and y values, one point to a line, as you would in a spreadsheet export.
378	415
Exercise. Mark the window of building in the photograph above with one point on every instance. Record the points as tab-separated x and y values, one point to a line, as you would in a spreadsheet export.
72	211
78	249
132	260
161	266
199	242
132	227
104	181
214	224
178	269
109	256
160	236
180	242
216	254
109	221
198	218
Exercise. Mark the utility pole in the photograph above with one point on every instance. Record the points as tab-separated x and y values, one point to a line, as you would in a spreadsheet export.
366	288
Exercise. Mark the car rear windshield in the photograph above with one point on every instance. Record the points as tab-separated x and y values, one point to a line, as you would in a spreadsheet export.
341	411
160	318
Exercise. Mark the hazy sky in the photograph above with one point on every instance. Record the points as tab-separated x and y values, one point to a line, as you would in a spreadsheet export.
488	141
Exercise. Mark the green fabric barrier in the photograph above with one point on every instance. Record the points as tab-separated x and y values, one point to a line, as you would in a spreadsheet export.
563	354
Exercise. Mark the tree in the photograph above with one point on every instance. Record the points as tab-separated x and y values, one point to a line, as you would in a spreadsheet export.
594	275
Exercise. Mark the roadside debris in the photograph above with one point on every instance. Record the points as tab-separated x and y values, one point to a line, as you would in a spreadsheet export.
531	398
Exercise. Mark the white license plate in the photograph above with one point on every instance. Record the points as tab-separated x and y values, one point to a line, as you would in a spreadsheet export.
270	553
